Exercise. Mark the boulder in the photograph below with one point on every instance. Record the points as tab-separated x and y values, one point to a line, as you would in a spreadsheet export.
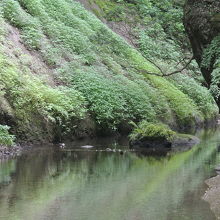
179	140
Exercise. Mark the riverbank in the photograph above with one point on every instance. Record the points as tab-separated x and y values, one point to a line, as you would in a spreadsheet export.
178	145
212	195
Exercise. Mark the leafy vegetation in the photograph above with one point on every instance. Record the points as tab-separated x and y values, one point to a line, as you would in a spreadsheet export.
185	109
155	26
200	95
114	99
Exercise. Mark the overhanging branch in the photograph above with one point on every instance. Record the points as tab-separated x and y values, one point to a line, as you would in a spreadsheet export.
167	74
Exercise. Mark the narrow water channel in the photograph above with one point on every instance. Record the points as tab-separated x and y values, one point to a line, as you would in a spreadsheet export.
92	185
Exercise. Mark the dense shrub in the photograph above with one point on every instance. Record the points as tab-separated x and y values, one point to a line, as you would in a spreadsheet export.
113	99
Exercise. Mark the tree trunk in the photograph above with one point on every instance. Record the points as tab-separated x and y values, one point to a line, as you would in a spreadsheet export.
202	24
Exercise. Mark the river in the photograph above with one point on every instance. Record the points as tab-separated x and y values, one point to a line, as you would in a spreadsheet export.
47	183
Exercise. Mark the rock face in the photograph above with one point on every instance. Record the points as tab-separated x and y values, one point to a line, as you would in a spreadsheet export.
201	21
179	141
212	195
146	142
185	140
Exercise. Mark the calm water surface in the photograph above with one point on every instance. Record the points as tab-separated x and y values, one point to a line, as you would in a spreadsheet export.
91	185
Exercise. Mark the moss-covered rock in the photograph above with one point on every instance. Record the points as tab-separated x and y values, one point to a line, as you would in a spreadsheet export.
149	135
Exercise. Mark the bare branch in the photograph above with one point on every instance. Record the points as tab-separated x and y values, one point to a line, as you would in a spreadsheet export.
155	65
167	74
183	68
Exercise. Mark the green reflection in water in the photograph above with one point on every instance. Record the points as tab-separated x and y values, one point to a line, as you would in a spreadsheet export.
7	167
47	184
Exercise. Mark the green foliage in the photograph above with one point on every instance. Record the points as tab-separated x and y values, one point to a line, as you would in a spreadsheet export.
137	101
32	37
157	46
184	108
211	60
200	95
156	26
214	87
158	101
102	95
6	139
211	53
113	99
154	131
31	99
161	35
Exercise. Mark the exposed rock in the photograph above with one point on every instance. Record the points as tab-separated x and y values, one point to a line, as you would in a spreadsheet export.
180	140
212	195
147	142
185	140
156	135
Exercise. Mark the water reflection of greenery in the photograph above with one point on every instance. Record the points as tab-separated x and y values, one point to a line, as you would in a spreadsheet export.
7	167
103	185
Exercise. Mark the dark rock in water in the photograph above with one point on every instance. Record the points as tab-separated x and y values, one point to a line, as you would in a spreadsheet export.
147	142
160	143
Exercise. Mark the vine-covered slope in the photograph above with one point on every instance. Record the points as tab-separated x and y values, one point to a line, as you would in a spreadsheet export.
64	73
